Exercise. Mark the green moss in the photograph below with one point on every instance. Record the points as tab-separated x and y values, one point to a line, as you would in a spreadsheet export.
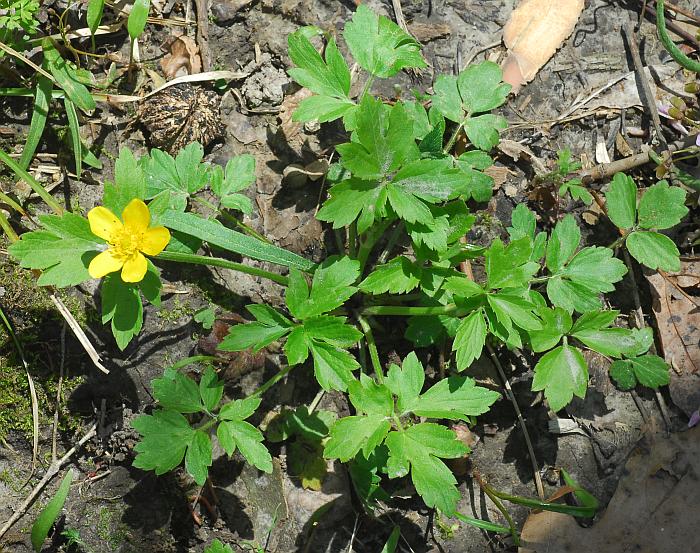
37	325
178	310
110	528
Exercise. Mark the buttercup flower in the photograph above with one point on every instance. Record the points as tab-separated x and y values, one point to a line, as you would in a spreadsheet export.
127	241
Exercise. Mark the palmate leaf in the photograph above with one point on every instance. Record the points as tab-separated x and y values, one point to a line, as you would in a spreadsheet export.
165	437
121	304
420	449
63	251
662	206
182	176
655	250
177	392
398	276
561	373
650	370
379	45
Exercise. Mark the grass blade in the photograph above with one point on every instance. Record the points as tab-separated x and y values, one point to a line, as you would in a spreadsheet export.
236	242
32	182
42	97
45	520
74	126
483	524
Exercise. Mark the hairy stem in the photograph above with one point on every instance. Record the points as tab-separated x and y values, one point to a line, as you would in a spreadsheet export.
272	381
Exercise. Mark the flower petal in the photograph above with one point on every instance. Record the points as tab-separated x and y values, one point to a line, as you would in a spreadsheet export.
136	216
154	240
103	222
135	269
104	264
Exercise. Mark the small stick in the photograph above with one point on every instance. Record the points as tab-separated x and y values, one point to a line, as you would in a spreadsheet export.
647	95
639	323
79	334
50	473
682	11
521	421
203	33
59	390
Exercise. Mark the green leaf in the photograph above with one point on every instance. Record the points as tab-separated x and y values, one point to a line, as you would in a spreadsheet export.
66	77
393	541
230	240
182	176
470	339
611	341
353	198
333	367
121	304
662	206
408	207
205	317
240	409
63	251
516	309
482	88
591	271
332	330
555	324
434	180
198	456
94	14
406	382
379	45
129	183
649	370
417	113
510	267
211	389
454	398
296	348
305	462
40	112
595	320
166	436
621	201
267	315
177	392
483	130
251	335
74	128
382	141
654	250
331	287
323	109
420	447
217	547
49	514
351	434
577	191
248	440
137	18
561	373
523	221
399	276
370	398
562	245
239	175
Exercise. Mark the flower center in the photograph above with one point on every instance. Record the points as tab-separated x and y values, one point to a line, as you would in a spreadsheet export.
126	243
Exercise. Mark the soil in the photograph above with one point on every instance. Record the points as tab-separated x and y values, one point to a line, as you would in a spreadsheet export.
117	508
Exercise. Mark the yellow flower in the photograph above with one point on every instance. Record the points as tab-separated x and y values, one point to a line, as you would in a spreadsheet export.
128	241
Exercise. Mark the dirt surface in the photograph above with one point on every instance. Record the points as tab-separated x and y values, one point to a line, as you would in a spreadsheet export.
117	508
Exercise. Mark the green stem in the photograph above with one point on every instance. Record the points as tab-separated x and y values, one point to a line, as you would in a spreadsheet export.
272	381
32	182
453	138
496	501
233	220
391	242
218	262
670	46
483	524
367	86
410	311
7	228
372	346
547	506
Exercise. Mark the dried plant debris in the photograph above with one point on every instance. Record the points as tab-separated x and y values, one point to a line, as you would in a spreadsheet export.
183	58
535	30
653	508
179	115
676	298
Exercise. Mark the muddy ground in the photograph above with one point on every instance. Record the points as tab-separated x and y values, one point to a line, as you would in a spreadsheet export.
117	508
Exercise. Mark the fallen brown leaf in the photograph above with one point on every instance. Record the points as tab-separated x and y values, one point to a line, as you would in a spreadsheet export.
534	31
677	315
183	58
653	509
